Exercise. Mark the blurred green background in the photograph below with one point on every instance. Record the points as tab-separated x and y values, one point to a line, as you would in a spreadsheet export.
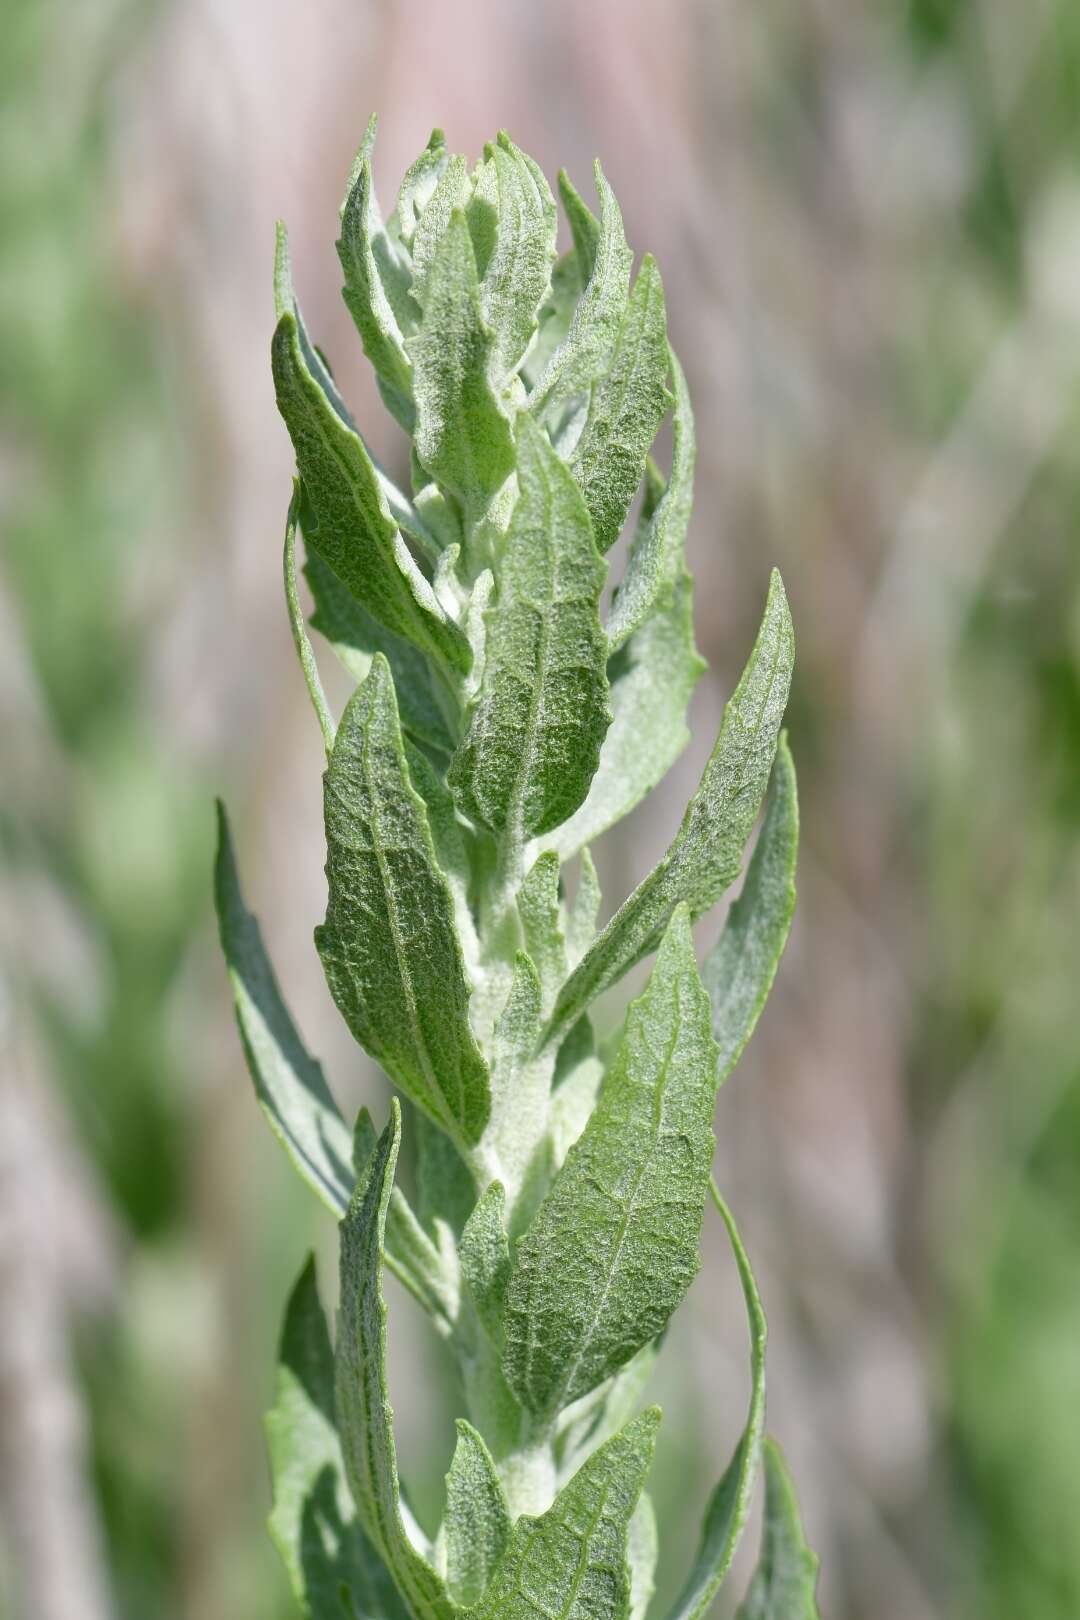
868	220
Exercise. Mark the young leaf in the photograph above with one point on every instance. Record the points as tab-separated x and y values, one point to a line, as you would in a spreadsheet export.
538	908
418	186
333	1569
289	1084
374	282
651	680
586	351
656	556
785	1582
535	732
477	1517
706	854
428	1272
353	529
571	1563
513	223
741	967
556	315
642	1552
485	1259
452	191
626	404
389	945
462	437
365	1421
584	227
581	922
614	1246
300	636
729	1505
356	637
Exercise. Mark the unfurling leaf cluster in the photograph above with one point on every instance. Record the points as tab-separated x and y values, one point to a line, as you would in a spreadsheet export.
502	719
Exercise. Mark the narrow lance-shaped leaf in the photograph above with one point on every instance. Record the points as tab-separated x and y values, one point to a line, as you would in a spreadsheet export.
334	1571
452	191
462	436
651	680
419	1264
729	1505
534	736
742	965
785	1581
571	1563
586	350
706	854
584	227
626	404
301	641
289	1083
477	1517
354	530
485	1259
418	186
513	223
614	1246
656	556
389	945
365	1420
370	270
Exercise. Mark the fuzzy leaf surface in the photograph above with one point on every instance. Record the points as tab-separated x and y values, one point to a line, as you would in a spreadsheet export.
571	1563
536	728
513	223
365	1420
289	1083
614	1245
626	404
361	247
389	945
477	1517
334	1571
706	854
485	1259
740	969
785	1581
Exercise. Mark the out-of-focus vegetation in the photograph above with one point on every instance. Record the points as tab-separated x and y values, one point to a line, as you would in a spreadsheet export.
869	220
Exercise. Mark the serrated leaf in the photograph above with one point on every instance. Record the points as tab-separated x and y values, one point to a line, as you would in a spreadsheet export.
656	556
651	680
706	854
571	1563
289	1083
389	945
333	1569
586	351
614	1245
536	728
513	224
541	922
354	531
365	1420
374	284
729	1506
477	1517
626	405
485	1259
740	969
462	436
356	637
785	1582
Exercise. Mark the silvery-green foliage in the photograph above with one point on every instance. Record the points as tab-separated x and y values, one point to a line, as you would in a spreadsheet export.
498	725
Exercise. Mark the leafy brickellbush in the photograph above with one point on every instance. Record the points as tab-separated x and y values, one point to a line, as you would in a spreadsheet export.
499	725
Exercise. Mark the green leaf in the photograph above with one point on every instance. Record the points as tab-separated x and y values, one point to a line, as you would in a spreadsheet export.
452	191
389	945
462	437
477	1517
365	1420
584	227
541	922
785	1582
485	1259
356	637
651	679
729	1505
571	1563
643	1550
626	405
418	185
585	353
300	636
513	224
614	1245
556	315
420	1265
656	556
353	529
289	1084
333	1569
536	728
374	283
740	969
581	922
706	854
